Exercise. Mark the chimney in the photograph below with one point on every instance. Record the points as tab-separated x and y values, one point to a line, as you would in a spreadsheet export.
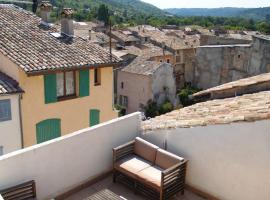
92	35
45	11
67	22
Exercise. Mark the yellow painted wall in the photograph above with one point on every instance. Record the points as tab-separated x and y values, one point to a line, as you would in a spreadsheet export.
74	113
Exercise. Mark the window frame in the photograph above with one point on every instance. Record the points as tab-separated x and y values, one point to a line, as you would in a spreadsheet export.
65	96
97	76
9	117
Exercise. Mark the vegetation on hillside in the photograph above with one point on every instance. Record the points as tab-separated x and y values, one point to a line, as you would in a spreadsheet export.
133	12
247	13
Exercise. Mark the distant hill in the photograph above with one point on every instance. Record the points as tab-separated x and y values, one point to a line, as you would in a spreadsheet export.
254	13
129	7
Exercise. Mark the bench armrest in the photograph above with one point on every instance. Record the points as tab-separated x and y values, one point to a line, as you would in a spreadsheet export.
174	174
123	151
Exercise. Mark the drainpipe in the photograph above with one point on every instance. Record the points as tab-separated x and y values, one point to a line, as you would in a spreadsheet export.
20	115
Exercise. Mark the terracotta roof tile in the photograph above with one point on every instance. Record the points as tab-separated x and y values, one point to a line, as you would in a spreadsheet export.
8	85
34	47
249	107
239	87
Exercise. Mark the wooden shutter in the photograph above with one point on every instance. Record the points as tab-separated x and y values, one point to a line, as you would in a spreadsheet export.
84	83
94	117
50	88
48	129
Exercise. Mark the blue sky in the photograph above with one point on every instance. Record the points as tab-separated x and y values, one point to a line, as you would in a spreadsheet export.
208	3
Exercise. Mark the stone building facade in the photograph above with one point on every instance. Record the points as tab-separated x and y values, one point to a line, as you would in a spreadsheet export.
219	64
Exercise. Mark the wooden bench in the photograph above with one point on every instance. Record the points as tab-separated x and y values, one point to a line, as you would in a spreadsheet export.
149	170
22	191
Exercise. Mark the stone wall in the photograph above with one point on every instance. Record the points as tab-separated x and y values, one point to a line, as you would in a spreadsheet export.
163	85
219	40
219	64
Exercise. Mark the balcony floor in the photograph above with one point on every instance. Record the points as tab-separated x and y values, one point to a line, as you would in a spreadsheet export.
122	191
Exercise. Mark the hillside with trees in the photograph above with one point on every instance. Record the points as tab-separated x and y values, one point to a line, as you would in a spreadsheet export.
248	13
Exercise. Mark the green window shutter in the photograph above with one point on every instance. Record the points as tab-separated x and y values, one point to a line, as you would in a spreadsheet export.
94	117
50	88
84	83
48	129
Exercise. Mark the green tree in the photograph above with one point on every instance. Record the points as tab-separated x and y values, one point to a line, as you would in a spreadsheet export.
103	14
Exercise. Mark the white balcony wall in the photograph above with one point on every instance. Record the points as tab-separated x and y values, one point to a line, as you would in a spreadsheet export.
230	162
64	163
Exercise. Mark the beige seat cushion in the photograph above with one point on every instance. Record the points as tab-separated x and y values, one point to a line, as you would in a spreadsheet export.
165	159
145	149
151	176
131	165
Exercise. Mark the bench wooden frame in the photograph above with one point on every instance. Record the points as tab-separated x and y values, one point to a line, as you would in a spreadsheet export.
172	179
22	191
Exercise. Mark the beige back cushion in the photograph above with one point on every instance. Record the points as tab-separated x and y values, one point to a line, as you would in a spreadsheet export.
165	159
145	149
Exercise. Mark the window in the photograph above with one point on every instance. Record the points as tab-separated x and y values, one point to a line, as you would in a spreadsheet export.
239	56
65	84
161	61
1	150
122	85
5	110
177	59
123	101
168	60
97	76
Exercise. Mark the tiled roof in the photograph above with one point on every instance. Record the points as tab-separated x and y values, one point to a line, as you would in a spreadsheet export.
125	37
8	85
249	107
26	42
174	39
239	87
142	66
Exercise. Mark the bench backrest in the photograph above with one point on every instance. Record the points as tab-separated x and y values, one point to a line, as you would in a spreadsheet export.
23	191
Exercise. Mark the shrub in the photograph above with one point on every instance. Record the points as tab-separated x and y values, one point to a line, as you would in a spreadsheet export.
165	108
184	95
121	109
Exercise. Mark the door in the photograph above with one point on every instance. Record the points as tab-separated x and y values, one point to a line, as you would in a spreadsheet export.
94	117
48	129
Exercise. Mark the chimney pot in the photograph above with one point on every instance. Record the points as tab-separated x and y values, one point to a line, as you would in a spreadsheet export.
45	10
67	22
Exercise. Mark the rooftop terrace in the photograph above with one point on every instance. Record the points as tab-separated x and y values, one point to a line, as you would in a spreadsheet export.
122	191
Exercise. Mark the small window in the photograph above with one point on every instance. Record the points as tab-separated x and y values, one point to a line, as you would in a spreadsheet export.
168	60
97	76
1	150
123	100
5	110
122	85
65	84
177	59
239	56
161	61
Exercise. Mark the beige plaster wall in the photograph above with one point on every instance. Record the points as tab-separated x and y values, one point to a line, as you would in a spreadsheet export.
138	89
74	113
8	67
